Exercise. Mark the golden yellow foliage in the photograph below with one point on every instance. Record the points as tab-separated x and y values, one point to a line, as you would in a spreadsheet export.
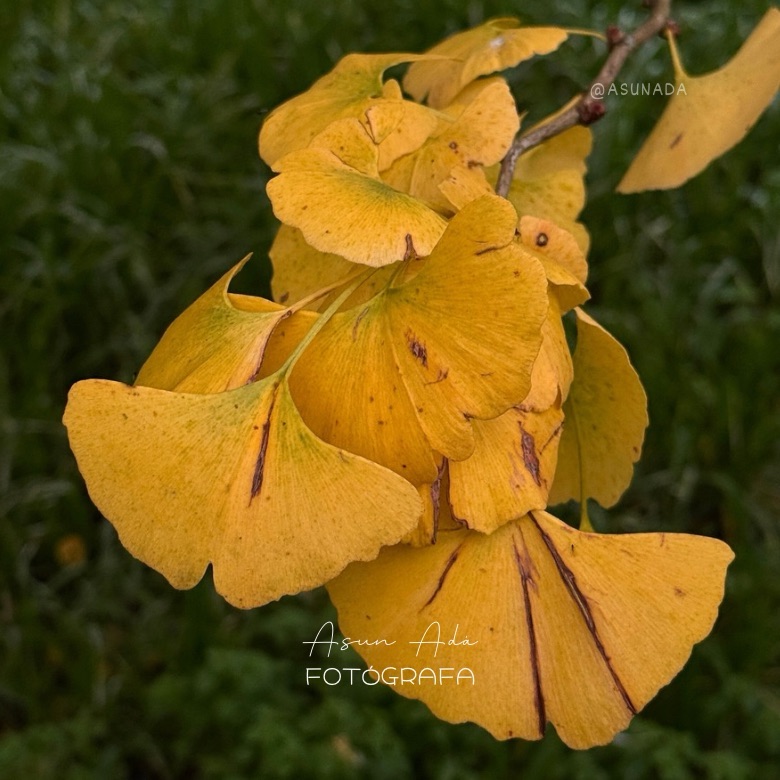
476	131
606	417
549	182
353	88
553	370
414	357
709	114
495	45
331	192
300	269
510	471
213	345
428	403
233	479
576	629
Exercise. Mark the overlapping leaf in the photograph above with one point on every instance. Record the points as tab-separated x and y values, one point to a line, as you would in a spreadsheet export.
216	344
549	182
397	126
510	471
606	417
300	270
331	192
709	114
398	378
477	132
496	45
576	629
351	89
553	370
437	512
234	479
553	244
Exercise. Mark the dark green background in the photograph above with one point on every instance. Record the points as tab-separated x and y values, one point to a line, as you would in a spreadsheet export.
129	181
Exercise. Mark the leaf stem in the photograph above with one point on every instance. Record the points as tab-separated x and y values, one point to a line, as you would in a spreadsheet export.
590	105
321	293
321	322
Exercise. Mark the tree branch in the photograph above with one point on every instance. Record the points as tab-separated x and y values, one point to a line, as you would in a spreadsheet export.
590	105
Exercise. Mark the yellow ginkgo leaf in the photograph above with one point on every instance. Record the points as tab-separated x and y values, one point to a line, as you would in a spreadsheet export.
510	471
216	344
352	87
331	192
399	378
233	479
553	370
349	392
606	417
300	269
477	132
549	241
495	45
535	623
397	126
708	114
464	185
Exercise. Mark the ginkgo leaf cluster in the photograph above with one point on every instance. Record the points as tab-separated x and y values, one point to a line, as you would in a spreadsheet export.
397	421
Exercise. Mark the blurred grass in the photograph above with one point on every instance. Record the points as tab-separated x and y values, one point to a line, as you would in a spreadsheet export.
129	181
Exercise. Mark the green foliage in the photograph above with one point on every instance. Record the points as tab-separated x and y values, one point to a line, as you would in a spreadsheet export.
129	181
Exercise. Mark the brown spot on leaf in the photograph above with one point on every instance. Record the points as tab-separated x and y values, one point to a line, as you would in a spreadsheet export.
440	377
454	146
283	297
530	458
680	593
676	141
417	348
542	239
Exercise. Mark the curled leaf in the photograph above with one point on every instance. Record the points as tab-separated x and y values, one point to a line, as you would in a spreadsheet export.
579	630
216	344
553	370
